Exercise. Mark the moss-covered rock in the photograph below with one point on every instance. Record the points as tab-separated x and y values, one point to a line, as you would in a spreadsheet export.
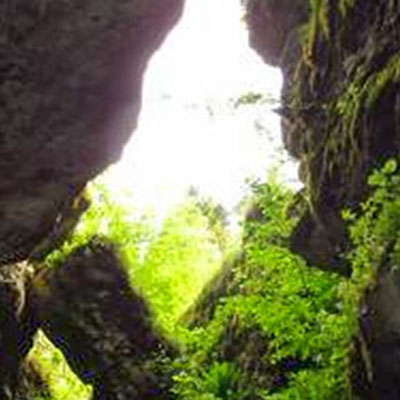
340	106
88	310
341	119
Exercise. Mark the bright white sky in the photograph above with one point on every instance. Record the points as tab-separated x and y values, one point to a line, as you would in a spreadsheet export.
189	132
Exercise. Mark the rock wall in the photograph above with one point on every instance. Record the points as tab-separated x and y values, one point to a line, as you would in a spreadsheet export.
17	325
340	103
70	88
341	118
71	76
87	308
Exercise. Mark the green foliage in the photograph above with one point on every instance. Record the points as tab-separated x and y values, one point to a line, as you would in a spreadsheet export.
318	23
220	381
304	316
105	217
272	202
362	94
294	310
252	98
217	218
248	98
168	264
374	233
379	221
179	261
282	330
62	383
339	142
307	319
345	6
377	83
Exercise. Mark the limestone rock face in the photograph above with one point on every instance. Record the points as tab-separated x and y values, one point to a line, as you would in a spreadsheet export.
341	119
87	308
340	104
380	330
70	86
71	76
270	24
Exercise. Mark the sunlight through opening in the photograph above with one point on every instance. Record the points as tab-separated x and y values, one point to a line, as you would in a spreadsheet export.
192	131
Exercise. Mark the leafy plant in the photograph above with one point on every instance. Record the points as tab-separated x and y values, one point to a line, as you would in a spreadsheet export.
168	264
374	232
282	330
305	319
180	260
219	382
281	322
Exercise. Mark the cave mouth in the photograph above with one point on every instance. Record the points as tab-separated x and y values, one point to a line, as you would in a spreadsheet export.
207	119
207	130
206	127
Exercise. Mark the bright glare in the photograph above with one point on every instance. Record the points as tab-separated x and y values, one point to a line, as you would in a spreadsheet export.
190	133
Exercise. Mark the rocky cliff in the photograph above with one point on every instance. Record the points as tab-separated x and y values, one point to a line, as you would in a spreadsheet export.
70	89
71	74
340	103
88	309
341	118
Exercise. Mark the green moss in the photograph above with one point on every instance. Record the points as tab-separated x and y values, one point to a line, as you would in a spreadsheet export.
281	325
339	140
378	82
374	233
63	384
281	313
359	97
318	24
345	6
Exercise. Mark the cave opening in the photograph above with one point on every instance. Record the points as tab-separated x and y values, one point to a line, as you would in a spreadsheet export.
207	119
185	271
174	201
207	130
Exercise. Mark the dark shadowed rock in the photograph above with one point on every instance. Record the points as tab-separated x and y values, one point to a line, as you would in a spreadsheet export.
17	326
70	92
341	118
88	310
380	339
31	385
70	89
326	67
